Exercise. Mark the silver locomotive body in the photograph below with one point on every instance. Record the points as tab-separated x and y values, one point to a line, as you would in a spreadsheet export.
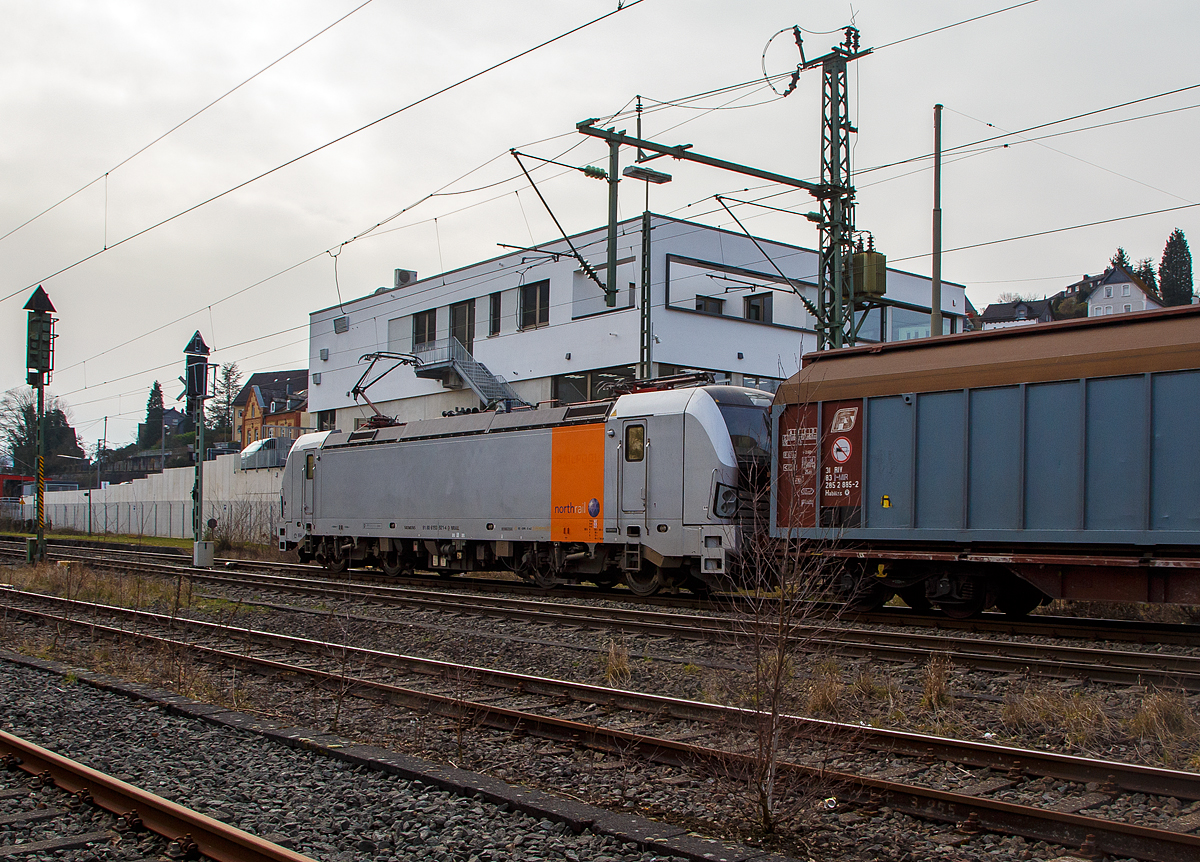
642	489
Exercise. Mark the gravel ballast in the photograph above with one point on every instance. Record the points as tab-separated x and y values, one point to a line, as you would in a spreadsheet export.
327	808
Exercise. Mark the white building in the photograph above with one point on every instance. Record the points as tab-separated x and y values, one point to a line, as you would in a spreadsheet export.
535	320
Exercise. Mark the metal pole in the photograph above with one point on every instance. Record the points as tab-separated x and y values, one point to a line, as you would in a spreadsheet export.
41	468
614	177
163	467
935	299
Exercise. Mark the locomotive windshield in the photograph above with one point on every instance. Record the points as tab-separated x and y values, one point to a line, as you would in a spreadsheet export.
747	416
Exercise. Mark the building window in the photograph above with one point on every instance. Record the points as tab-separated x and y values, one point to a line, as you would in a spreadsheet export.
1108	309
1107	291
758	307
589	385
535	305
494	314
326	420
1128	308
1125	290
709	305
424	327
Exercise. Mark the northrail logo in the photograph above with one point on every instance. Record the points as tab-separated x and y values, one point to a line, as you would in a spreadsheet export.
592	508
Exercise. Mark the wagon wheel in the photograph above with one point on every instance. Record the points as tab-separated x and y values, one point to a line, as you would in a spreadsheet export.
647	581
868	596
974	601
914	597
1018	599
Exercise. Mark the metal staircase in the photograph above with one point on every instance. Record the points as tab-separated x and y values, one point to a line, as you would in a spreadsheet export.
439	358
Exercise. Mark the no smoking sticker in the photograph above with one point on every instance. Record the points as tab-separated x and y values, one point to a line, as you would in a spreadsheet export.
841	450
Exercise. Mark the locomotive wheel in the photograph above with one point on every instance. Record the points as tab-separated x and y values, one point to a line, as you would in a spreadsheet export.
392	564
334	558
645	582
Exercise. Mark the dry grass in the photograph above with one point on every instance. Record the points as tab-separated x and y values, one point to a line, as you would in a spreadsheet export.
1166	718
935	689
867	688
77	581
1078	717
616	663
825	688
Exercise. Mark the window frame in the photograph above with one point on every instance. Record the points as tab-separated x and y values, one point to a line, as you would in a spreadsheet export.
494	312
424	322
702	303
762	302
540	316
632	446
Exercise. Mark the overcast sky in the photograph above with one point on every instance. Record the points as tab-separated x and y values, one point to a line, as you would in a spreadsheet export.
86	85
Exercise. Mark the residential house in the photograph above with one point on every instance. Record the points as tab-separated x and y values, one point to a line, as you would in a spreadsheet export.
271	404
1021	312
1116	291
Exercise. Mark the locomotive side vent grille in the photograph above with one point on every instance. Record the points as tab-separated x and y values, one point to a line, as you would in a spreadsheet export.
588	411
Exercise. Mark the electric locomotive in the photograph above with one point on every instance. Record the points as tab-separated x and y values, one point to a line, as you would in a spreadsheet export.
646	488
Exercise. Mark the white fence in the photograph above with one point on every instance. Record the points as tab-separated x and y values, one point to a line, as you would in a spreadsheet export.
245	504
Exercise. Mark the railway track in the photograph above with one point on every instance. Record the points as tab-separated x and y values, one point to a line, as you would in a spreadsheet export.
996	788
1106	665
48	811
1045	626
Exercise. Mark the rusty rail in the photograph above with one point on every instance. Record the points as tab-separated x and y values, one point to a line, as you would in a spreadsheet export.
188	829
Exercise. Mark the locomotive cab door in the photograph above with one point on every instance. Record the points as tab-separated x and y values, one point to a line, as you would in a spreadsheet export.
306	494
634	460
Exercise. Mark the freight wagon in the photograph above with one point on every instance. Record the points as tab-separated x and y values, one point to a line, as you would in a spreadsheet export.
1001	468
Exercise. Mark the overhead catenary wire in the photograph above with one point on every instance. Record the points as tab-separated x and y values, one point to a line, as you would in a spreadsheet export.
174	129
628	4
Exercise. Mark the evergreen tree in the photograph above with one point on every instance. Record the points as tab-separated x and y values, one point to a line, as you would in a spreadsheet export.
150	434
1145	271
1175	271
18	433
1120	259
220	407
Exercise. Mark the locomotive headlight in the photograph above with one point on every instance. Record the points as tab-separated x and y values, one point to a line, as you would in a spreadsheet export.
725	503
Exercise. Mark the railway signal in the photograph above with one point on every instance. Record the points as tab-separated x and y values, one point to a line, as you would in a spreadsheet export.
39	361
195	382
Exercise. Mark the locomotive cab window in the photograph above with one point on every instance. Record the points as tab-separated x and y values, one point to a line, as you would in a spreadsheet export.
635	442
309	462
